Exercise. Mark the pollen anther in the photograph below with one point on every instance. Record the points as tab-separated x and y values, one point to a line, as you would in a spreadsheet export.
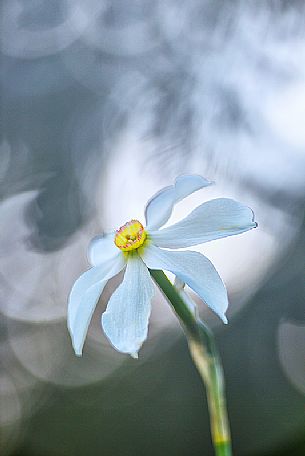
130	236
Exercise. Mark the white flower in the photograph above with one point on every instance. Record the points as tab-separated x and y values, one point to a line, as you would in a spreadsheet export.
125	321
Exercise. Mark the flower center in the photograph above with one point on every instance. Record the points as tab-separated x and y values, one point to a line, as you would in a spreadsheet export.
130	236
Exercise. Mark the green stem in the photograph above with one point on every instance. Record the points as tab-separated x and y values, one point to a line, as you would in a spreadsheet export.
206	358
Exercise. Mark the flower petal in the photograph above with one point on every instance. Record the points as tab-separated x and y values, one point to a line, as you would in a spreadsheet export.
195	270
159	208
101	249
84	297
214	219
125	321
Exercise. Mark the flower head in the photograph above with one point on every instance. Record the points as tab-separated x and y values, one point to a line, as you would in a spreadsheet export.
134	249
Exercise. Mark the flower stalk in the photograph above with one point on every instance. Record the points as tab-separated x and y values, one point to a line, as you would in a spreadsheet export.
204	353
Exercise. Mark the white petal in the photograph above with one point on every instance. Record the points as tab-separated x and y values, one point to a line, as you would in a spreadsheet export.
195	270
159	208
101	249
84	297
125	321
187	184
214	219
84	314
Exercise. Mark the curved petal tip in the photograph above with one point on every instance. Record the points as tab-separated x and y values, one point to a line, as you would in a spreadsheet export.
159	208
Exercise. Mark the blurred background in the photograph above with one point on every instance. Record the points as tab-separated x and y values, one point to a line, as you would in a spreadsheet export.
103	102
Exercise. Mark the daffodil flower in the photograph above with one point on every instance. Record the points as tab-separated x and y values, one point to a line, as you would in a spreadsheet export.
137	249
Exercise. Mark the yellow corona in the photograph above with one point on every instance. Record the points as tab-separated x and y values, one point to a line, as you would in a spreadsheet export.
130	236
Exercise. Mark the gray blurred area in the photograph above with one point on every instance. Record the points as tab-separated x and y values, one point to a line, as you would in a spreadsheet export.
102	104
